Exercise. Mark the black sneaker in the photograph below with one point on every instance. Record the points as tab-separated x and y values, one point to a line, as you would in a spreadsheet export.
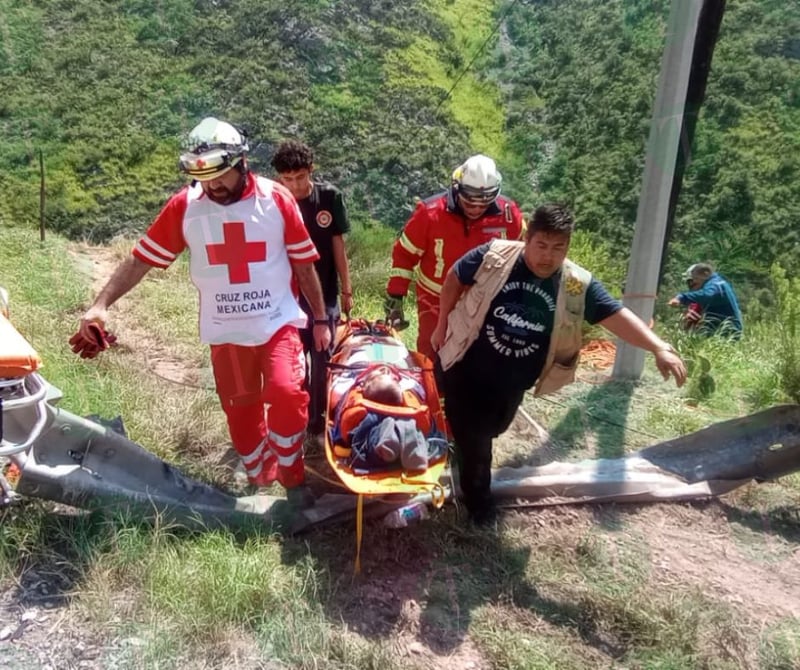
300	497
314	443
484	516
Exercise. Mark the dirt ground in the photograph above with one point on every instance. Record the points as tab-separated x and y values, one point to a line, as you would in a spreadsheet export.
757	573
743	561
692	545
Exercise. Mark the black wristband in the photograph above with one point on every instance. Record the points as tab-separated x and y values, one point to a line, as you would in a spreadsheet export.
321	322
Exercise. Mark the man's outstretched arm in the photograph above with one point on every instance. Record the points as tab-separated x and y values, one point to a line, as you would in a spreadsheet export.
629	327
127	275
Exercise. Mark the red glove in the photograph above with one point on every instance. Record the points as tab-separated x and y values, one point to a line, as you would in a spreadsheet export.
692	317
89	347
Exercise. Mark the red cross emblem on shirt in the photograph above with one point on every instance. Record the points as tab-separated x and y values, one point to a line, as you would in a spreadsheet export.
236	252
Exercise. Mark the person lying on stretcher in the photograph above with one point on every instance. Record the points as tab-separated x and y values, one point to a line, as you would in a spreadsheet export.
382	423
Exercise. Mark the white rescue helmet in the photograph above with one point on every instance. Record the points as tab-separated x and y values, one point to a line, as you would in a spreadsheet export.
212	148
477	179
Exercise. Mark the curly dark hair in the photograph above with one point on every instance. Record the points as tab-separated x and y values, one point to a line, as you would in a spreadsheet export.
551	218
292	155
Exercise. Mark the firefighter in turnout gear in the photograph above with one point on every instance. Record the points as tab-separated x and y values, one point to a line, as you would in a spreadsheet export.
441	230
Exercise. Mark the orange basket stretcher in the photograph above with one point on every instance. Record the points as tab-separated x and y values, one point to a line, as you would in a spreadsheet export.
360	347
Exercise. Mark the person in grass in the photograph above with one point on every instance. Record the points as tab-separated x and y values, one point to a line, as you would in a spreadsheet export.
511	316
325	217
441	229
712	296
248	251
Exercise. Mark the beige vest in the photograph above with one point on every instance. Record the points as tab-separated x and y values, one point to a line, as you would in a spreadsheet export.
465	321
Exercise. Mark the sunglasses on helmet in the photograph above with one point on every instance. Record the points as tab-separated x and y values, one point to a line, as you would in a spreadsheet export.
473	196
209	164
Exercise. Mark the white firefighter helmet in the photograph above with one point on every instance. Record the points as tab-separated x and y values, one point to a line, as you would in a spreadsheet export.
212	148
477	179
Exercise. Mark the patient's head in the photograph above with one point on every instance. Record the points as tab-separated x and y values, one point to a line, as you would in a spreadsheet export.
382	386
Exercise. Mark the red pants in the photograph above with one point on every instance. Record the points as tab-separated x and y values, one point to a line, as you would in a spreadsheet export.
247	377
427	316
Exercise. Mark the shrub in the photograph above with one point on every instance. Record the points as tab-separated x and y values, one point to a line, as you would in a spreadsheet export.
787	327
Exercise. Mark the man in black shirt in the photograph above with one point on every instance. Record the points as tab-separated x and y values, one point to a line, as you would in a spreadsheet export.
325	216
486	363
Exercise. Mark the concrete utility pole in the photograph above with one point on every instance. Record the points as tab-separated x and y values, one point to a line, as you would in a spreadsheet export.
662	150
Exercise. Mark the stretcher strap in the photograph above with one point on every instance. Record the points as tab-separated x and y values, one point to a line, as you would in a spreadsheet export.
359	529
434	488
314	472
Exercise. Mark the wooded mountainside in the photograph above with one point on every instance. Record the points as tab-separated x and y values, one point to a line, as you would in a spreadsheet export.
561	95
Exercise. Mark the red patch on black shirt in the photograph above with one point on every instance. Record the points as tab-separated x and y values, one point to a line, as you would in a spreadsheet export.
324	218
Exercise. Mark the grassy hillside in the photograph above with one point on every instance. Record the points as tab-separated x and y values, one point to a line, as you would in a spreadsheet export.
392	96
582	77
561	93
106	96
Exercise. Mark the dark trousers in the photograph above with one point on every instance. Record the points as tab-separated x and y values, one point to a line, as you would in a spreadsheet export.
317	377
478	410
